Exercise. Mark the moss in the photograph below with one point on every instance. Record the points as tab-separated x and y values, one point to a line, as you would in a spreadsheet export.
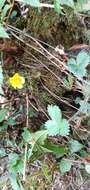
54	28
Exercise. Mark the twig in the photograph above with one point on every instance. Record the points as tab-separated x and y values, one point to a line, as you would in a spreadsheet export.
57	97
37	42
26	145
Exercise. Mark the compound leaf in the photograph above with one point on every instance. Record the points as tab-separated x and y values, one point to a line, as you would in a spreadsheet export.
57	125
83	58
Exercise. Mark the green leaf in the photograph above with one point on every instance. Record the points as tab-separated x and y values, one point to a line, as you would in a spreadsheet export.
33	3
75	146
13	157
83	58
83	6
3	127
18	168
56	126
3	33
39	137
65	166
3	113
78	66
4	11
14	182
84	153
11	121
31	112
54	112
55	149
13	15
84	107
69	3
86	89
87	168
26	135
35	139
64	129
2	3
58	7
15	164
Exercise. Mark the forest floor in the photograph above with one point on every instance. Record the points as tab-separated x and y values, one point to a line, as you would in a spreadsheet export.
39	48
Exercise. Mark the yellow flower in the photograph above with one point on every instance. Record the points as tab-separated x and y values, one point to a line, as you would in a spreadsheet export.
17	81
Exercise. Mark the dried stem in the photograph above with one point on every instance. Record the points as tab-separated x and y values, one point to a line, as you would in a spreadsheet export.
26	144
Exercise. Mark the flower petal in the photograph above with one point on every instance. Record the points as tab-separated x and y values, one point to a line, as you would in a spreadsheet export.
17	81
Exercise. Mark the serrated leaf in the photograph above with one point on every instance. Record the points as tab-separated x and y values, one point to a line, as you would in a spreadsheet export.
64	130
76	69
86	89
78	66
54	112
75	146
65	166
3	33
87	168
84	107
3	113
56	126
52	127
83	58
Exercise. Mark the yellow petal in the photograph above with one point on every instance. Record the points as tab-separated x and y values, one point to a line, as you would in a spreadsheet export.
17	81
22	80
20	86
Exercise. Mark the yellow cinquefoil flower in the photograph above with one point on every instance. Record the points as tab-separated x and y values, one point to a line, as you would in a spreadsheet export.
17	81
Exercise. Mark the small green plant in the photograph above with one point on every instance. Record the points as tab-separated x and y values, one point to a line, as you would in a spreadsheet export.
33	145
78	66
